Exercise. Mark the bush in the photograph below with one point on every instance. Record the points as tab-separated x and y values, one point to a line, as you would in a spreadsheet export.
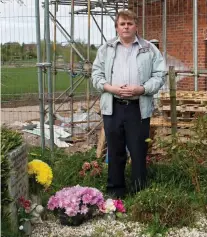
9	141
191	156
167	206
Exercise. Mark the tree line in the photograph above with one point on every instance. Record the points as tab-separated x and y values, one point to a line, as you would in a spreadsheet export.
13	51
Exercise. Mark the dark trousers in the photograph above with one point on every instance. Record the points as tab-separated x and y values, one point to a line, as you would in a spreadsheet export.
126	128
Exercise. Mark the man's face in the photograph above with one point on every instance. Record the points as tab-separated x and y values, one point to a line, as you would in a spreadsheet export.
126	28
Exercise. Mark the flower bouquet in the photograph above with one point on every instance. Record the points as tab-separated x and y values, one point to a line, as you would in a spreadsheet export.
24	215
76	204
113	208
40	177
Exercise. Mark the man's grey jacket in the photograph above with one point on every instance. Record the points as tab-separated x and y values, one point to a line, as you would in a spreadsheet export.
151	71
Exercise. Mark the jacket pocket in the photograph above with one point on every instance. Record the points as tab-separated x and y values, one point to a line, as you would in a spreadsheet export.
104	100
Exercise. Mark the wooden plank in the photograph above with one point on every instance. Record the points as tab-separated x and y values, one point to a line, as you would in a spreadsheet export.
182	101
163	131
161	121
186	108
186	94
101	144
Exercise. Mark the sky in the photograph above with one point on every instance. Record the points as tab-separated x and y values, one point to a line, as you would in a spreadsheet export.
17	23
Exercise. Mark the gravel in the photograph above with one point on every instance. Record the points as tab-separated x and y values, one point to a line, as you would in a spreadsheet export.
114	228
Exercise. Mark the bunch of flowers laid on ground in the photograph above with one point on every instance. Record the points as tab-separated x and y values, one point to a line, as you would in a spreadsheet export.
24	207
40	172
76	204
24	214
93	167
111	206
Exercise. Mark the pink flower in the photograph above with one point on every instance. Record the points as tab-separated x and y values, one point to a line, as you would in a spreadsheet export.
76	200
86	166
95	171
119	206
111	205
82	173
86	198
70	211
52	203
94	164
84	209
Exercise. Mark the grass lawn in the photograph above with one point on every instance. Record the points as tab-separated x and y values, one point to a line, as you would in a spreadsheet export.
25	80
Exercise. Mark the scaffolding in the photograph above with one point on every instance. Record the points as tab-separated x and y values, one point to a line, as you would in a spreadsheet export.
76	7
92	9
67	40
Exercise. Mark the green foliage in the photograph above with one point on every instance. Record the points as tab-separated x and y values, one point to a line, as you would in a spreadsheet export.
163	173
166	206
9	141
12	52
191	157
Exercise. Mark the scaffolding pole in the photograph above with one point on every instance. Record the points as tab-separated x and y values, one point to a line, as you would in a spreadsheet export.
195	43
71	63
102	23
39	71
164	29
54	56
88	59
143	18
48	66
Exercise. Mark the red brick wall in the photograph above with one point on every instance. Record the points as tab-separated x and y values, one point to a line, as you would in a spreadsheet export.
179	33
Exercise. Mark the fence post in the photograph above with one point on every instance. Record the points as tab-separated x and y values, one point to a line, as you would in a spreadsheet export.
172	79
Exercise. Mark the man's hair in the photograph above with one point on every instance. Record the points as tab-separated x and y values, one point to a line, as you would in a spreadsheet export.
126	14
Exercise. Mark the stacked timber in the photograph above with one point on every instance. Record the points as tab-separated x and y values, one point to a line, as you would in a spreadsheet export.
189	105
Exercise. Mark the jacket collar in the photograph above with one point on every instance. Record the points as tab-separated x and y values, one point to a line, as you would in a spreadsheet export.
141	42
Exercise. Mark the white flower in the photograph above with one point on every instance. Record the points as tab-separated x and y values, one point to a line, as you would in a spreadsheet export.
109	206
21	227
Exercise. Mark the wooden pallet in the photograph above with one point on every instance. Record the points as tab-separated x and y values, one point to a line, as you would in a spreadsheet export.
186	94
186	108
162	122
184	112
181	132
185	97
183	101
186	116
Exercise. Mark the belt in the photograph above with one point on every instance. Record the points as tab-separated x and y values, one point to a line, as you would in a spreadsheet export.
125	101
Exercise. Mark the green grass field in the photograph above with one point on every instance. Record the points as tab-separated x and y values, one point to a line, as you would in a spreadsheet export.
25	80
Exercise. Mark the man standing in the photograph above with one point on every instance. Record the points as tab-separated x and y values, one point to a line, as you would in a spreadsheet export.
128	71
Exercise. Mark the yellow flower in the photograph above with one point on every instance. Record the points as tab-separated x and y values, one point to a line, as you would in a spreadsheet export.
41	171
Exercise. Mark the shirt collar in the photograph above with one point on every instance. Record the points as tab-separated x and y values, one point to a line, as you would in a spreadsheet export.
136	41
